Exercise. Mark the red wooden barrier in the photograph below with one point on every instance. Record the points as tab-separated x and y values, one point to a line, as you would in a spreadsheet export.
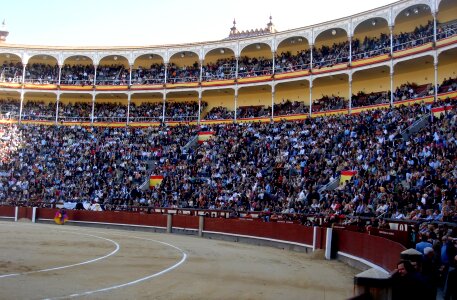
280	231
183	221
7	211
378	250
130	218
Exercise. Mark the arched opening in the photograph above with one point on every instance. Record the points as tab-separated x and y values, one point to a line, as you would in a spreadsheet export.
110	109
182	107
447	73
77	70
255	60
446	19
330	93
113	70
148	69
75	107
331	48
254	102
11	70
370	87
183	67
221	104
413	79
10	102
413	27
146	108
293	54
291	98
41	69
39	106
219	64
371	38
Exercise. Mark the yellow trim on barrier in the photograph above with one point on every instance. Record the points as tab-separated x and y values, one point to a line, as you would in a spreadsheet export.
412	51
292	74
181	85
254	79
218	82
76	87
369	61
111	87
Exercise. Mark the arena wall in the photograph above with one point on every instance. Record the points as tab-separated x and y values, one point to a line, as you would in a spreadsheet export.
364	248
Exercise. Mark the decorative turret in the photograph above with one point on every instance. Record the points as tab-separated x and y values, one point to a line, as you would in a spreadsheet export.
235	34
233	30
3	32
270	26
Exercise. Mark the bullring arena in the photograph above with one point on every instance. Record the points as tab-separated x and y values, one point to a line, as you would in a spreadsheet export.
313	163
62	262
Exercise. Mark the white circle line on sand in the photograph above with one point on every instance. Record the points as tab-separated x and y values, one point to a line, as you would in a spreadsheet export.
87	293
72	265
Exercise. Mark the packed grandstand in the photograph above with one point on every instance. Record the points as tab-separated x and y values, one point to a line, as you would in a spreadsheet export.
353	119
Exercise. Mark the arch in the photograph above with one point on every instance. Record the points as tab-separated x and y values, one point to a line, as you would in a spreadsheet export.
305	35
294	39
42	57
373	21
79	58
379	14
319	31
210	48
115	58
408	9
184	53
150	55
222	51
257	45
10	54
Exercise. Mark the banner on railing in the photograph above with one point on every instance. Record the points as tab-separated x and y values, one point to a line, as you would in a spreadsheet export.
438	111
155	181
346	175
204	136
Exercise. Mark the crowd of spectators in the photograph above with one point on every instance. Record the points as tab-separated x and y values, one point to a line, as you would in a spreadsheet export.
177	74
373	98
224	68
271	168
103	165
287	107
220	113
11	72
155	74
254	66
329	103
325	56
77	75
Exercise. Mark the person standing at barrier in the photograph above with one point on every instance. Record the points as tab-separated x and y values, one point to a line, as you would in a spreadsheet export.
407	283
450	288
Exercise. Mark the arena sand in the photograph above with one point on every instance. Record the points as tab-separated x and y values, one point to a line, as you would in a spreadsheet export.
106	258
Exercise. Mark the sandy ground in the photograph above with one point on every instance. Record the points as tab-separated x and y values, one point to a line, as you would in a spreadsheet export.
39	261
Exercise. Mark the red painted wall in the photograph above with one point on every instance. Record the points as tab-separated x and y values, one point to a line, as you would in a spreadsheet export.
120	217
185	221
378	250
7	211
280	231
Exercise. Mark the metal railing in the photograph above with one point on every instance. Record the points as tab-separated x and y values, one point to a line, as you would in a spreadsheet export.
415	127
412	43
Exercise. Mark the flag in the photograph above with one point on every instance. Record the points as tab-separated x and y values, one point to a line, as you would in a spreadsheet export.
346	175
155	181
204	136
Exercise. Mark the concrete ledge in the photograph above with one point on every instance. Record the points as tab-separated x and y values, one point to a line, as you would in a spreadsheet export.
109	225
292	246
358	263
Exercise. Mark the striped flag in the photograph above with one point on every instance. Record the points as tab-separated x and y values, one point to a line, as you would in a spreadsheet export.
346	175
155	181
204	136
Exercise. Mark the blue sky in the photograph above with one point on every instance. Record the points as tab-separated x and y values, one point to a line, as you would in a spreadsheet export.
158	22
